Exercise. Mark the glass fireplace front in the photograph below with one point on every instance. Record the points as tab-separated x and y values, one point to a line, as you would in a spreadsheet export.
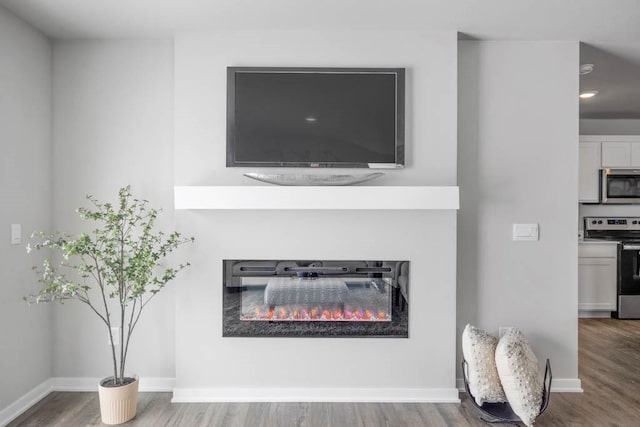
315	298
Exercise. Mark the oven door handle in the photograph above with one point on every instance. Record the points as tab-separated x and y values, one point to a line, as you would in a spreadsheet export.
630	247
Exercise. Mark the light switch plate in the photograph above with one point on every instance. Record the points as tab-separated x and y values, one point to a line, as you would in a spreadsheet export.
16	234
525	232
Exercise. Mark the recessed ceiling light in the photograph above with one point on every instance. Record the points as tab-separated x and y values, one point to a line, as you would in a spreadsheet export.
588	94
586	69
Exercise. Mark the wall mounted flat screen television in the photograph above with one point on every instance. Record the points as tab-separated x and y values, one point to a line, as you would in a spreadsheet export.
315	117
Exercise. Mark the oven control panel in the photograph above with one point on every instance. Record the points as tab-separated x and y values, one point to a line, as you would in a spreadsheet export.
612	223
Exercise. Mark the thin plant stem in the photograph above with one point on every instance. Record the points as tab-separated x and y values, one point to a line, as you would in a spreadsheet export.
122	257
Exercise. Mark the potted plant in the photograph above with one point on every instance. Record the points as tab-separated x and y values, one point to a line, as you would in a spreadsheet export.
115	270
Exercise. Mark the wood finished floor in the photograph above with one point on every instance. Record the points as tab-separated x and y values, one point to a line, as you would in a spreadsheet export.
609	365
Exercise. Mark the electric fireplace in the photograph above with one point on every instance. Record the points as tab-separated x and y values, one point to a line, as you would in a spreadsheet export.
315	298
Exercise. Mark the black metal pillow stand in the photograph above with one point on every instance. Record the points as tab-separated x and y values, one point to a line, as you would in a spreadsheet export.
501	413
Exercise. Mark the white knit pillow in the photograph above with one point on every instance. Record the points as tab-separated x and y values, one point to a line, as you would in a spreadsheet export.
478	350
520	376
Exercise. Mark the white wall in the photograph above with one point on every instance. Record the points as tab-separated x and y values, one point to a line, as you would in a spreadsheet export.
25	172
113	126
265	367
517	163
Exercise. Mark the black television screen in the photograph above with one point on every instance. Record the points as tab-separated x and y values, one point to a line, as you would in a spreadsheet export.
315	117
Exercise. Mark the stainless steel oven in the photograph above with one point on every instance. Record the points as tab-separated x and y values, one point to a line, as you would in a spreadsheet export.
629	280
620	186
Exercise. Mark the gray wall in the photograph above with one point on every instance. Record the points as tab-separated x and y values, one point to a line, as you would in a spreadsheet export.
609	127
517	163
425	361
113	126
25	191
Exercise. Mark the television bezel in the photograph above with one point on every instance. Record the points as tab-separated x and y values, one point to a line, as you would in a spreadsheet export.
399	74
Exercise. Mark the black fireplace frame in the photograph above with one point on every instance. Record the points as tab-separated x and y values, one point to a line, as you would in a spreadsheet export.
234	326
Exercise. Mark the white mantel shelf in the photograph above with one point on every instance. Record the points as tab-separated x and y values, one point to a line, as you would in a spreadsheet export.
321	197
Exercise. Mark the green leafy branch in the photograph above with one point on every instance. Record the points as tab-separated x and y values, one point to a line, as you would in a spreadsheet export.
122	258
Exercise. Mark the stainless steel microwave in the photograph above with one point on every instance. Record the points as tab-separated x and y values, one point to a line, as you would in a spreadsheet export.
620	186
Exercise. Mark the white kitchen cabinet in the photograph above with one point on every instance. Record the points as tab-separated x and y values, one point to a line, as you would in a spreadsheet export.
621	154
616	155
589	172
635	154
597	279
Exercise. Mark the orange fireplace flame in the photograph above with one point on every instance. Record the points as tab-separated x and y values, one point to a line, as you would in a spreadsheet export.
298	313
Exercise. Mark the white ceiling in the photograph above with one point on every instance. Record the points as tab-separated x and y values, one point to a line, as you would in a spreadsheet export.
586	20
610	28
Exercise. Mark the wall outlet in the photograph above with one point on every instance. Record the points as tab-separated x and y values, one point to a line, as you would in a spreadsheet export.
503	330
115	332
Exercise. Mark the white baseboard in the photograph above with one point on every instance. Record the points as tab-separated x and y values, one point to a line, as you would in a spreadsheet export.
156	384
558	385
147	384
596	306
74	384
567	385
594	314
25	402
431	395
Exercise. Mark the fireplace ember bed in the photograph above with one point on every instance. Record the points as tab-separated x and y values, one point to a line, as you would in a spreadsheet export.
315	298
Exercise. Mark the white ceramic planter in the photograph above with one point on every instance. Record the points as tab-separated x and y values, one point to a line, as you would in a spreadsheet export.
118	404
